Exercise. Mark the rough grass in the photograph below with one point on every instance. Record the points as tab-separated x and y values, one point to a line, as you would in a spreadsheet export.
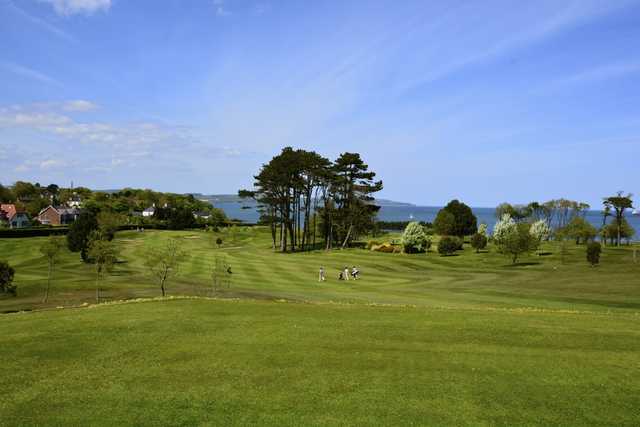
421	339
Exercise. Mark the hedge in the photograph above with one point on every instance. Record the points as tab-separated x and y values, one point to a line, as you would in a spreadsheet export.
63	230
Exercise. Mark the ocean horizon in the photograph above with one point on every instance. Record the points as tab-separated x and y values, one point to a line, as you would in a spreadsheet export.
247	212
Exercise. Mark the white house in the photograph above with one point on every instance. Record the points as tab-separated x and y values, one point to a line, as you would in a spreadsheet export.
149	211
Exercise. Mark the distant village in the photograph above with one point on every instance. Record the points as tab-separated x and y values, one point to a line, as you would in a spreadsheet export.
26	205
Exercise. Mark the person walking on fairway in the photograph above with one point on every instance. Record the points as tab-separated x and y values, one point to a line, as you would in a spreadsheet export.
346	273
321	275
354	273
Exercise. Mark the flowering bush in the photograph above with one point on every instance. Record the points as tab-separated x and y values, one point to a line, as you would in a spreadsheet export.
414	239
540	230
513	239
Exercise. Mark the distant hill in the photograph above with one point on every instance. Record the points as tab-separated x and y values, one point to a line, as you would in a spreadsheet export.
233	198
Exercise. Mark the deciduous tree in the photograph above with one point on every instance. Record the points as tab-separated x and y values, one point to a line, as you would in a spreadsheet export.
163	263
51	250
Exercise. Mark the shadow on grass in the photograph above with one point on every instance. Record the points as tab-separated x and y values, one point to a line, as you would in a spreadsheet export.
545	253
522	264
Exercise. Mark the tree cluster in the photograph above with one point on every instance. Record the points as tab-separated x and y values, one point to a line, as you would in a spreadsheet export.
303	197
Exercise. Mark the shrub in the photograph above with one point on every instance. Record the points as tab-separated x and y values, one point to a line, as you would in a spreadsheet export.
219	241
593	253
385	248
372	243
513	239
448	245
414	239
478	241
6	279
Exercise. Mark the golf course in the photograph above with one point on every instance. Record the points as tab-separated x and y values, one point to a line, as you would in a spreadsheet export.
423	339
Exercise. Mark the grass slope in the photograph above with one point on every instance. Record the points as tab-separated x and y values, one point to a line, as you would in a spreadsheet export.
465	340
250	362
466	281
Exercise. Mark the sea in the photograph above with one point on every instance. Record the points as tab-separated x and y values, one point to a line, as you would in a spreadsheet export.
247	212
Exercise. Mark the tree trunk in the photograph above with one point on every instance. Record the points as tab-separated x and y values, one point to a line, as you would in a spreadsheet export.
46	291
98	288
346	239
283	238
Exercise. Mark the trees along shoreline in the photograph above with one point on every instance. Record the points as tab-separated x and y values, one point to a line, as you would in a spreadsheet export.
304	197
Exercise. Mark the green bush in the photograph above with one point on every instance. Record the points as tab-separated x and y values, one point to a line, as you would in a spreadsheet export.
478	241
593	253
6	279
414	239
448	245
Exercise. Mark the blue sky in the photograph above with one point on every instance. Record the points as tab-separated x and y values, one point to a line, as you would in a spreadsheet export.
482	101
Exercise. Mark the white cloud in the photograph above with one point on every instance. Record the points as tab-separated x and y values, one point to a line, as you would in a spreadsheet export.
52	164
29	73
79	105
17	117
604	72
40	22
72	7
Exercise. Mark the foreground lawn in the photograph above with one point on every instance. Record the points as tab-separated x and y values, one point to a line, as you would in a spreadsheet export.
207	362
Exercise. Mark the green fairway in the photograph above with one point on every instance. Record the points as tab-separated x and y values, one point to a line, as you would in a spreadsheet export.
420	339
467	280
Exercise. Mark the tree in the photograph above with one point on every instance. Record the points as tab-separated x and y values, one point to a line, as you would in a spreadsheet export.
445	223
593	253
414	239
108	223
613	232
79	232
51	249
181	218
103	254
220	274
482	229
465	222
163	263
580	230
448	245
352	189
512	238
516	212
478	241
6	279
619	203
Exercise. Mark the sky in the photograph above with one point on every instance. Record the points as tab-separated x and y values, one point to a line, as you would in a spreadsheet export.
484	101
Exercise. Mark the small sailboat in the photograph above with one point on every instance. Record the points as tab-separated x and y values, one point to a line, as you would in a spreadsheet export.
410	216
